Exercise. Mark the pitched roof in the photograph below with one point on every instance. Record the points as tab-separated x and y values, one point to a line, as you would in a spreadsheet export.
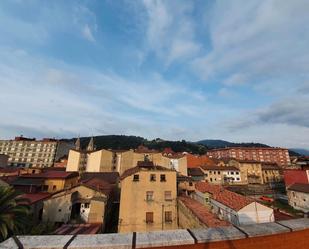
292	176
299	187
228	198
195	172
74	229
195	161
202	213
22	181
98	184
33	198
53	174
136	169
270	166
110	177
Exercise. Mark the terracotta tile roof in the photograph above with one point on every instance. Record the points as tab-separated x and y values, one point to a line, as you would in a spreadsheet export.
195	172
202	213
99	185
295	176
299	187
195	161
67	229
33	198
222	168
228	198
53	174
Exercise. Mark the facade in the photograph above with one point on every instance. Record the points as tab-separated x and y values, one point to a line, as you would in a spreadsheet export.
4	160
196	174
121	160
232	207
28	152
298	196
274	155
222	175
250	170
271	173
148	199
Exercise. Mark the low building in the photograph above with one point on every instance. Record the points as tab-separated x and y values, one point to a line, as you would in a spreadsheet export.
193	214
221	175
298	196
232	207
148	199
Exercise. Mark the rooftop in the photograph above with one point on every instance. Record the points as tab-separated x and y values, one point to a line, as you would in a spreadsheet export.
195	172
202	213
33	198
53	174
299	187
75	229
222	168
248	148
110	177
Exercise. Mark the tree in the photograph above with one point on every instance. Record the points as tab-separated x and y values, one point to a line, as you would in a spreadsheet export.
14	212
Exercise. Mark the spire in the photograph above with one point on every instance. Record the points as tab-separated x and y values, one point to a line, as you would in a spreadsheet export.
77	144
90	146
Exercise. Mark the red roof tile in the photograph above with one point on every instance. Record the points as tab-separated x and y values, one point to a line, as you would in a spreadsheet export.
295	176
33	198
202	213
195	161
53	174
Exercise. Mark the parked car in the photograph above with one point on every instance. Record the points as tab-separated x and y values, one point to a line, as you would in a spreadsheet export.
266	198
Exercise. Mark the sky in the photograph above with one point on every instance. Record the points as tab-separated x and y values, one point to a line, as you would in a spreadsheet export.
234	70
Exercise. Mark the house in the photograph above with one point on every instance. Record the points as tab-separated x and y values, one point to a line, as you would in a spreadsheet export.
298	196
221	175
232	207
148	199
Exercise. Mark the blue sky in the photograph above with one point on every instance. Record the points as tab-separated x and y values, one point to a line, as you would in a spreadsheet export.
234	70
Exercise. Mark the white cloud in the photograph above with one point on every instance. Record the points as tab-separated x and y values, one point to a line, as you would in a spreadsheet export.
171	30
87	33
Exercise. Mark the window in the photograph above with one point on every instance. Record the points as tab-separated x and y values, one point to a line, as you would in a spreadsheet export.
152	177
210	179
136	178
54	187
232	173
238	178
190	184
219	172
168	217
87	205
168	195
149	196
59	210
162	178
237	173
214	172
149	217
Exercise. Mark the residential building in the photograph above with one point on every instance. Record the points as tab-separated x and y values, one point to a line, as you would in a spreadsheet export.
29	152
271	173
120	160
262	154
292	176
193	214
221	175
4	160
232	207
298	196
148	199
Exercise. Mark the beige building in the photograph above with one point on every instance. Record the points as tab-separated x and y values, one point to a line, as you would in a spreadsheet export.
121	160
298	196
222	175
28	152
148	199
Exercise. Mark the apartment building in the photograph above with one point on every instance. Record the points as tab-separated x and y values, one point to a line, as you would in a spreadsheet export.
148	199
29	152
221	175
274	155
271	173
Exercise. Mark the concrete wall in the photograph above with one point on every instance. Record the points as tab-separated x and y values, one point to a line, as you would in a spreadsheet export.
187	219
73	161
133	203
101	161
